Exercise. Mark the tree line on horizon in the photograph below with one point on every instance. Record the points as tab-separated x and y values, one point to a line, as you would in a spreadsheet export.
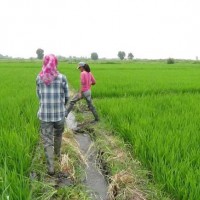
94	55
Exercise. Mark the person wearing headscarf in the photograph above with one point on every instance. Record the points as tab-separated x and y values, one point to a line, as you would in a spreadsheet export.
86	80
52	92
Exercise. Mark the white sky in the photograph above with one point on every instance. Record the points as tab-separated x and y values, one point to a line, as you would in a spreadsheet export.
147	28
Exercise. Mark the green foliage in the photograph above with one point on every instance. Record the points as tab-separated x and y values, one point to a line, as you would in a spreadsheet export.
94	56
164	133
121	55
70	193
40	53
170	61
130	56
154	107
18	128
5	57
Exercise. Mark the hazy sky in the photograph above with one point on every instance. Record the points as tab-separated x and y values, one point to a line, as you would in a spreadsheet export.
147	28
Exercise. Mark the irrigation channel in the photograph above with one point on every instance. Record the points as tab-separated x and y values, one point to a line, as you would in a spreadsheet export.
94	180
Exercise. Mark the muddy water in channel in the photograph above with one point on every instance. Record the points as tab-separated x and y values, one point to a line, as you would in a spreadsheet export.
94	180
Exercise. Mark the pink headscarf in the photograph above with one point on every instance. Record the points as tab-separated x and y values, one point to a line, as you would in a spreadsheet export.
49	69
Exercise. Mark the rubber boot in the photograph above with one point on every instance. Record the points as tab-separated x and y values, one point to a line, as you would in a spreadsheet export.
57	145
94	112
50	160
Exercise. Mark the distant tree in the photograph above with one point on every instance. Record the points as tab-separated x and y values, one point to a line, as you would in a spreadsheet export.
40	53
60	57
130	56
121	55
170	61
5	57
94	56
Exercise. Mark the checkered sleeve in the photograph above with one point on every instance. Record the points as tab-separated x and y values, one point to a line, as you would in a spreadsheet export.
52	99
65	86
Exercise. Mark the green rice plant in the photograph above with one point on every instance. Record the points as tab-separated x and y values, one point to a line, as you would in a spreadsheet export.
154	107
163	131
136	79
19	128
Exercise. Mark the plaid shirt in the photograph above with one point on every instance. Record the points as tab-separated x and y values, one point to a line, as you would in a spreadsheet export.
52	98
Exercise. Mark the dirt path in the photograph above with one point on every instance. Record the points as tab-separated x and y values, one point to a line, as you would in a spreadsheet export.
94	180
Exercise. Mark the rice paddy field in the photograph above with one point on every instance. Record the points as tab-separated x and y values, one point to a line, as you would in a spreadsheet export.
152	106
19	129
155	107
